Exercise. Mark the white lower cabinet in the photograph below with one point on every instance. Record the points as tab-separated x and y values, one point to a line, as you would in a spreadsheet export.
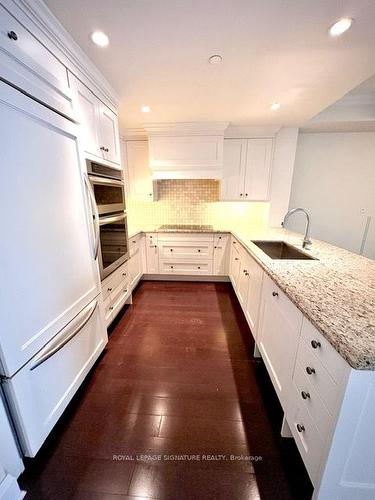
234	263
278	336
116	290
152	253
41	390
254	295
221	254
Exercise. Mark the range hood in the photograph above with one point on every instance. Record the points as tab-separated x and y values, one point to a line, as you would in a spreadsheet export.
186	150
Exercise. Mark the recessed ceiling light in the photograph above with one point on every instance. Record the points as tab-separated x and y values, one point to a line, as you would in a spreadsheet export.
340	26
100	38
275	106
145	109
215	59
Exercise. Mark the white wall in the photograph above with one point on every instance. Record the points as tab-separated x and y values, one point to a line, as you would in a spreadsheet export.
282	173
334	179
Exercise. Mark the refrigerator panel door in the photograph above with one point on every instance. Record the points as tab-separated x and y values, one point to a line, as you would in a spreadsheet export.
47	261
41	390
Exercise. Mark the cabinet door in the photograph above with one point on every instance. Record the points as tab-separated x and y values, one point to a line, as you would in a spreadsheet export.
279	331
138	170
87	105
234	164
47	258
109	135
234	266
28	64
243	279
254	295
152	254
220	264
258	169
135	268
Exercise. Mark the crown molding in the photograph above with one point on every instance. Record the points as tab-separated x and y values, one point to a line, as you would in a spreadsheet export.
252	131
37	18
186	128
136	133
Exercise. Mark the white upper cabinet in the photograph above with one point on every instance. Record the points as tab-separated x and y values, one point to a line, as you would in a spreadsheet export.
232	184
99	126
138	172
247	169
109	134
28	64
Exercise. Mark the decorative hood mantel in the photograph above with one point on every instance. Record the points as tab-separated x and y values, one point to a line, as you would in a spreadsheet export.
186	150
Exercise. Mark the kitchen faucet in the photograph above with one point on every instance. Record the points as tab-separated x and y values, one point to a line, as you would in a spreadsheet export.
306	240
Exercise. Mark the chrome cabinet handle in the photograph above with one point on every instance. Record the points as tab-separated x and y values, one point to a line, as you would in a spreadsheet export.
315	344
12	35
275	294
300	428
59	344
95	215
305	395
109	289
310	370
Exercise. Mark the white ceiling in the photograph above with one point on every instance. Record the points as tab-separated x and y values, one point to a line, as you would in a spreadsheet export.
273	50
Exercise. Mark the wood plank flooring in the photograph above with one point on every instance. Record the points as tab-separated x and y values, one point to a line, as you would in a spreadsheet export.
172	410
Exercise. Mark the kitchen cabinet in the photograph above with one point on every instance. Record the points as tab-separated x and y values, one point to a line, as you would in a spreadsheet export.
135	262
152	253
99	125
243	278
116	291
137	170
234	264
278	336
29	65
252	305
221	251
246	169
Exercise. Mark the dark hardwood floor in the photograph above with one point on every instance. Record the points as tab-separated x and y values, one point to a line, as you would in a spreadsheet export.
172	409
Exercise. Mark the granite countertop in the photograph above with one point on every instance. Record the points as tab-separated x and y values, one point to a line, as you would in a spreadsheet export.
336	292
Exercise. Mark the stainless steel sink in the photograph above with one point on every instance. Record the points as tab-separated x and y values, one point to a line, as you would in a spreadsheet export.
281	250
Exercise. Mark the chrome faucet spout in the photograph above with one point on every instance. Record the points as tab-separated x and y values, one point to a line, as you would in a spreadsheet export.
306	240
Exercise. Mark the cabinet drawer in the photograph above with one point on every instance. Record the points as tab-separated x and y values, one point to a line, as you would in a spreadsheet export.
308	441
182	267
306	394
41	390
319	377
322	350
119	296
114	280
107	310
28	64
185	249
134	244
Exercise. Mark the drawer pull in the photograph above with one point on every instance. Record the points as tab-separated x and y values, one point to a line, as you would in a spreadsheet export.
171	267
275	294
125	291
171	249
234	242
305	395
155	246
215	247
199	267
310	370
12	35
219	237
236	258
124	274
109	289
134	241
315	344
241	194
198	249
300	428
245	271
110	308
246	274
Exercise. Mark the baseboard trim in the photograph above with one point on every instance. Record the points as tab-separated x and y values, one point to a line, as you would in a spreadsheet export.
184	277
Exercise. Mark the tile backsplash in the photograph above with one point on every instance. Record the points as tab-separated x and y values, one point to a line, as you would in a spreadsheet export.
195	202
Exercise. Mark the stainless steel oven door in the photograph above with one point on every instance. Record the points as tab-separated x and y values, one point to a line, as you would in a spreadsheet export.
109	194
113	243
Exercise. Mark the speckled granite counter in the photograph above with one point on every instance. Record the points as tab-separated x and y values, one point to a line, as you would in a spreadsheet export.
336	293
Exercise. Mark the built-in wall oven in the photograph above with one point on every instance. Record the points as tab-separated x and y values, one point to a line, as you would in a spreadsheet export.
109	215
